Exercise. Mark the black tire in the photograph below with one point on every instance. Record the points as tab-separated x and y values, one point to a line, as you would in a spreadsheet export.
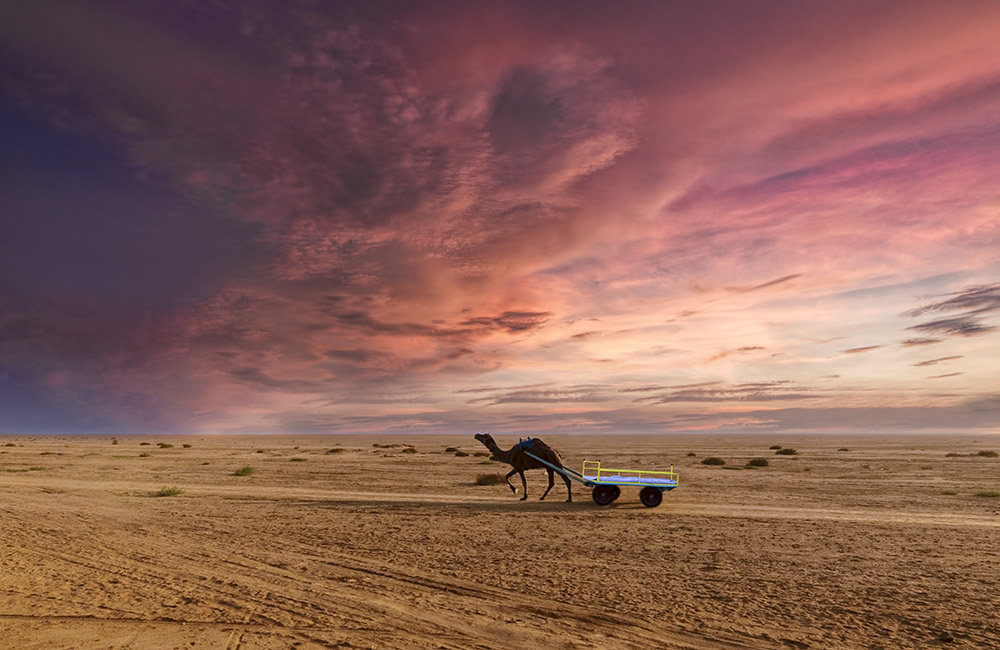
650	497
603	494
617	492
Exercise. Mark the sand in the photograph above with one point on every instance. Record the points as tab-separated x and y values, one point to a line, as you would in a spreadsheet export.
886	545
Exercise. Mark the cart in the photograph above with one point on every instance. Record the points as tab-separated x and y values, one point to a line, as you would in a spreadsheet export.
607	483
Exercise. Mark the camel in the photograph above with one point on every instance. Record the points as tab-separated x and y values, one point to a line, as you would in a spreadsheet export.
520	461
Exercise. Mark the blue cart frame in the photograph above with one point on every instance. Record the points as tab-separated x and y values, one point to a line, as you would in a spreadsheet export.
607	488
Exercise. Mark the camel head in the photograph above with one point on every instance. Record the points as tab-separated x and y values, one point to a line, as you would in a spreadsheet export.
484	438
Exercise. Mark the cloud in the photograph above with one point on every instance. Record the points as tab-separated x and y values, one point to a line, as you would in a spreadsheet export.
743	392
764	285
957	326
950	374
976	301
909	343
931	362
727	353
867	348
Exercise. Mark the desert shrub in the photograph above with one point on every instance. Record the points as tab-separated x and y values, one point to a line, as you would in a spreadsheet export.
713	460
164	445
480	453
843	449
10	444
989	494
461	453
335	450
952	454
143	443
35	469
297	460
206	463
449	450
114	441
950	492
47	453
736	467
490	479
757	462
144	455
775	447
786	451
988	454
487	462
186	446
246	470
409	450
691	453
169	492
261	451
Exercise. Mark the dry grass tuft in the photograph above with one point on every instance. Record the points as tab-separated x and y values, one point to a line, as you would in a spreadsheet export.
409	450
988	454
246	470
713	460
989	494
490	479
169	492
461	453
786	451
757	462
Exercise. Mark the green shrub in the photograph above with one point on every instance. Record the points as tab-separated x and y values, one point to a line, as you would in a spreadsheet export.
246	470
950	492
169	492
757	462
786	451
490	479
988	454
989	494
409	450
713	460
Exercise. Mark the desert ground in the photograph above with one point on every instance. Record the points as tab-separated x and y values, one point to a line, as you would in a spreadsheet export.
387	542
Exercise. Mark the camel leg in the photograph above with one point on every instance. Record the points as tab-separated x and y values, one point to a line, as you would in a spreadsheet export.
552	481
569	489
509	484
524	482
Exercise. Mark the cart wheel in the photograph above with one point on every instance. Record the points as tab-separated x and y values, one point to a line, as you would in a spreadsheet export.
650	497
603	495
617	492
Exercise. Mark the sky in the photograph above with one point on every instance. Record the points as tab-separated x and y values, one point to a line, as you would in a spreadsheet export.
517	217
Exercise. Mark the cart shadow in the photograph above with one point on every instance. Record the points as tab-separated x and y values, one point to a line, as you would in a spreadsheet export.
465	506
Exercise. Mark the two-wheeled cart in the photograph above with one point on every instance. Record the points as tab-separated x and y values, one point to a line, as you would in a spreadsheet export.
606	484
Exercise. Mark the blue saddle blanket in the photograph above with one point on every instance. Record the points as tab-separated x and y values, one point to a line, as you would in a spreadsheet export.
524	444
